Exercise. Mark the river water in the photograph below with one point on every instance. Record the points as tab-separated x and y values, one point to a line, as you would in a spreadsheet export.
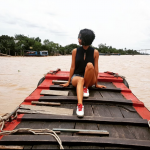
19	75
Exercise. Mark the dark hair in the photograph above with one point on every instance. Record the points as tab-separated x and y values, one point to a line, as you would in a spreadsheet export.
87	36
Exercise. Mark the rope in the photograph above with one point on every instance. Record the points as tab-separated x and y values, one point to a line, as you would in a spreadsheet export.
114	74
149	123
117	75
35	132
2	123
14	117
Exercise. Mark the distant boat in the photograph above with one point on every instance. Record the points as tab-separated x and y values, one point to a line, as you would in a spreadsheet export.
108	54
36	53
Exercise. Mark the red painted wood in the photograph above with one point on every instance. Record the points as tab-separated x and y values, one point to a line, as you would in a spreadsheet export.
45	84
32	98
19	118
36	92
12	125
66	77
142	111
26	103
122	87
57	77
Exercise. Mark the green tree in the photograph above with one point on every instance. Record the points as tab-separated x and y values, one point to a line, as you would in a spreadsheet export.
7	44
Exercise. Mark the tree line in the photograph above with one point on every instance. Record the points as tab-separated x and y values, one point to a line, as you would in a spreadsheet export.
18	44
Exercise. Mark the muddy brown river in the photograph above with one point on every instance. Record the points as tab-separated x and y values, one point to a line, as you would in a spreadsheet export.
19	75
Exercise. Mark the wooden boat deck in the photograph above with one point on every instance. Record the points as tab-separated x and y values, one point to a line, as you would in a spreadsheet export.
106	109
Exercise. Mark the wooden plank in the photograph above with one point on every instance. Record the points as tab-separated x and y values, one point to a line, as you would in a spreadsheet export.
101	110
110	128
123	132
57	82
49	146
23	111
27	147
107	84
58	87
115	111
70	106
73	99
112	111
86	147
45	110
72	93
127	107
116	95
83	131
92	133
39	139
105	94
140	133
95	94
45	103
88	111
87	119
54	92
10	147
46	125
27	124
124	148
129	114
52	146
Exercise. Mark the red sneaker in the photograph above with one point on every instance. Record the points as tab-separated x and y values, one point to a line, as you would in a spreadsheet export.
80	110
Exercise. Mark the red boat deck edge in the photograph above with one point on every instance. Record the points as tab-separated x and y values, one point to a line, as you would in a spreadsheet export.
142	111
12	125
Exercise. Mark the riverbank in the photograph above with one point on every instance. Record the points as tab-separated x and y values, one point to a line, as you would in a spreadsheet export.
19	75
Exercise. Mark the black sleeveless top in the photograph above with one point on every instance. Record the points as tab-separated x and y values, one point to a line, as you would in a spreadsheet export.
80	63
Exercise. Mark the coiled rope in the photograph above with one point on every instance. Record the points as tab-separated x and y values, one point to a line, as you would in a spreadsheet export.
3	120
35	132
2	123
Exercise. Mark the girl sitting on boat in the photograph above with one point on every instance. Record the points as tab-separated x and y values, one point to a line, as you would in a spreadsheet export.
84	68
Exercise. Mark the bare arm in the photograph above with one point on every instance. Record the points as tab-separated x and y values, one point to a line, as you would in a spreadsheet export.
72	68
96	57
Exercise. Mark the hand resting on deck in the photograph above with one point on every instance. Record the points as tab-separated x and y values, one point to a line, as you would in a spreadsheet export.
65	85
100	86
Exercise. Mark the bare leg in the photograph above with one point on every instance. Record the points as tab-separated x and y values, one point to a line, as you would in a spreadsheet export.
78	82
89	76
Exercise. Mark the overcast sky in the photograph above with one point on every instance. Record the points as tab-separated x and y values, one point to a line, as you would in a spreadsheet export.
118	23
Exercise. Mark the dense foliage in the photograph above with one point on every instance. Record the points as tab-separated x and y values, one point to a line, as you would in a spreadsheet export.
18	44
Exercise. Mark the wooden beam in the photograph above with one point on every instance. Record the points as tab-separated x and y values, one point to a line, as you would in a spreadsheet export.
10	147
74	118
57	82
45	103
71	140
80	131
44	110
73	99
54	92
70	87
10	114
